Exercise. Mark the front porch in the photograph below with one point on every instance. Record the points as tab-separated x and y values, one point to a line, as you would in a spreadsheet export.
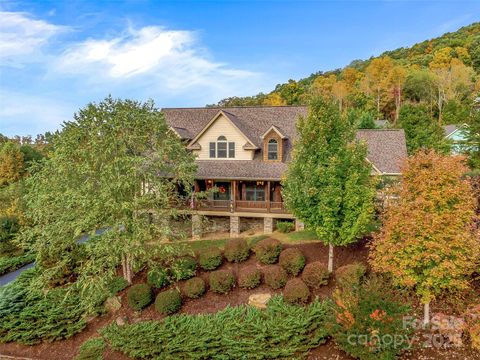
260	196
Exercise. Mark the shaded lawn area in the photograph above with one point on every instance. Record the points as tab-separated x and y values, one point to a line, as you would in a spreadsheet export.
296	237
197	245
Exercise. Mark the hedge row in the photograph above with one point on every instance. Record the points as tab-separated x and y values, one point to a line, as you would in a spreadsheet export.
280	331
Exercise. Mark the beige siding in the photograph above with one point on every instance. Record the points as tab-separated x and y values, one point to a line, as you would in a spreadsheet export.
223	126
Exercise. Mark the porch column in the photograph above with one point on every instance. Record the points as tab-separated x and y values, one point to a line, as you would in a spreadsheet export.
234	194
267	196
267	225
234	226
196	227
196	188
299	226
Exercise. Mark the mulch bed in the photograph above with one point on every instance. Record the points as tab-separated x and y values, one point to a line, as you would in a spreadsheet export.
210	303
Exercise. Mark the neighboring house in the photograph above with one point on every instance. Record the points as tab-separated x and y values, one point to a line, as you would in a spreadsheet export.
381	124
244	151
457	136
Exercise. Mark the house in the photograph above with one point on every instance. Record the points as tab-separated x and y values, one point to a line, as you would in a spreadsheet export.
457	136
244	151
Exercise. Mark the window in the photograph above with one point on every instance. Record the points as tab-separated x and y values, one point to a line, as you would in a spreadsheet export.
272	149
222	147
212	150
255	192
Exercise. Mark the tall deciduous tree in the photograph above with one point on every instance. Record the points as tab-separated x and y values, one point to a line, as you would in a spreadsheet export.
420	130
396	78
473	140
377	74
112	167
427	241
328	183
12	164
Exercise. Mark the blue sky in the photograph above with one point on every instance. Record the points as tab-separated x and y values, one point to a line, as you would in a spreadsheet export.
56	56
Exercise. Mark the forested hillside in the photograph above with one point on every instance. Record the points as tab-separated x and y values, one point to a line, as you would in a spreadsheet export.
440	76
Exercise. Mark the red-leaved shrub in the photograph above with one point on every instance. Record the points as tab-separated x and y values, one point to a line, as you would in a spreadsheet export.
292	260
275	276
315	275
249	277
296	292
222	281
268	250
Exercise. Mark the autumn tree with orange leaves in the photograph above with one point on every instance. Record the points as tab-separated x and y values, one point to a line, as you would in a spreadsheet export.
428	241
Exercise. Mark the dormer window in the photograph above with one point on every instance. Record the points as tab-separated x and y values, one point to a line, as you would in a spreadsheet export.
272	149
222	149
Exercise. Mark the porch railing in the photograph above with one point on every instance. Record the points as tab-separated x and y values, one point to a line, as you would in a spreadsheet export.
241	205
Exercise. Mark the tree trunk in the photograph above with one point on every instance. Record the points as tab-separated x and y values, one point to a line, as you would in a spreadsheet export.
126	269
378	104
330	258
440	105
398	104
426	314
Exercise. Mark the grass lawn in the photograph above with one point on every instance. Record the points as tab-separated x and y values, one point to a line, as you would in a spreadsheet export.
196	245
296	237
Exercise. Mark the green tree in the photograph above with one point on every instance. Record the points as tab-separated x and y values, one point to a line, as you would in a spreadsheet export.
421	130
12	166
112	167
328	183
427	241
473	139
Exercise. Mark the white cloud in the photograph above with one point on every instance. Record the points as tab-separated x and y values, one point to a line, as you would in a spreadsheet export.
22	114
172	58
21	35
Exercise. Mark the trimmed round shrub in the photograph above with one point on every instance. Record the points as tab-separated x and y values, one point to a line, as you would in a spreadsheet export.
210	259
194	288
296	292
268	250
139	296
350	275
315	275
292	260
250	277
184	268
158	277
285	226
275	276
222	281
168	302
236	250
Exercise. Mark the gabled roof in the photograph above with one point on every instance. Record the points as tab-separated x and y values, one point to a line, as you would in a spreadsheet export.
233	120
386	147
449	129
277	130
182	133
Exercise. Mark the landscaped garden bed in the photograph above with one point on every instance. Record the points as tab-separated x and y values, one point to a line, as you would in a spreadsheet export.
124	328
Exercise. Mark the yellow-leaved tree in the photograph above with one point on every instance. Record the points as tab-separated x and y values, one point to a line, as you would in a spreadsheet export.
428	241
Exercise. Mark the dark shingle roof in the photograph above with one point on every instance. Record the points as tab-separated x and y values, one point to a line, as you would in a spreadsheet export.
386	148
240	169
449	129
183	133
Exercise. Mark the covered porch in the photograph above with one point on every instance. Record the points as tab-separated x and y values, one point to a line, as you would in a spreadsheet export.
240	196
